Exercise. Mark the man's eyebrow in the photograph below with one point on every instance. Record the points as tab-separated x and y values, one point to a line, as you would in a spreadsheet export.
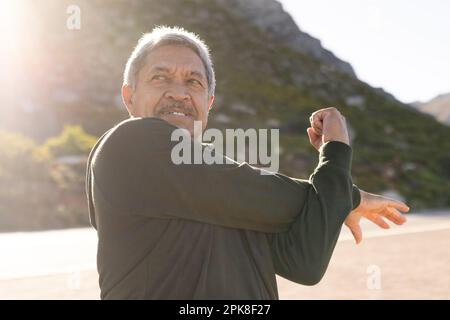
193	73
198	74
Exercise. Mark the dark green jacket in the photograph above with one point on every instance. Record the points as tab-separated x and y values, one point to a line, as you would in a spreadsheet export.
219	231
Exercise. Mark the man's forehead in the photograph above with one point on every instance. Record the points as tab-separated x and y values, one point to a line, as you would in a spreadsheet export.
168	58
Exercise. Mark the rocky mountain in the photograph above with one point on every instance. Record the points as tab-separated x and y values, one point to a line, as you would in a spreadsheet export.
270	17
438	107
269	74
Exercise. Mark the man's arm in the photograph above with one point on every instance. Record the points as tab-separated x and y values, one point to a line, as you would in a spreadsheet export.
132	169
371	206
302	253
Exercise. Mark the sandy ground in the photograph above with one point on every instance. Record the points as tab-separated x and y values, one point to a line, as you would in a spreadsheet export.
408	262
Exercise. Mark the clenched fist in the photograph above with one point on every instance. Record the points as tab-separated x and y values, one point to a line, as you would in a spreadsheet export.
327	124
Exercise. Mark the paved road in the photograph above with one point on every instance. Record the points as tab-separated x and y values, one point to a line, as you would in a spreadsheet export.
408	262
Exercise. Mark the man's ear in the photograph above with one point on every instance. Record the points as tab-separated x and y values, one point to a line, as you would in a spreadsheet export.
210	102
127	98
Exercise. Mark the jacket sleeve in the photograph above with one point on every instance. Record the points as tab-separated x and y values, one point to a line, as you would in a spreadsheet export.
132	169
302	253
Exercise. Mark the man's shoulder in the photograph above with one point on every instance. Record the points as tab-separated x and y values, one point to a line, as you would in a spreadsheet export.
132	126
131	135
139	130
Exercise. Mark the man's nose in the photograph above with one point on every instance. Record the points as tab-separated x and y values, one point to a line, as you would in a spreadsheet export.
177	92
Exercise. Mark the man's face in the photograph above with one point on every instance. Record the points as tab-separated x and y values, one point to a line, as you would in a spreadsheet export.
172	85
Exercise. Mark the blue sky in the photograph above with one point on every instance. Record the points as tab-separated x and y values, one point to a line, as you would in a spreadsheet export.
402	46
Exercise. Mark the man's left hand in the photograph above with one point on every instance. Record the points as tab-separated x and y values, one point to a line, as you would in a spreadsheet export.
374	208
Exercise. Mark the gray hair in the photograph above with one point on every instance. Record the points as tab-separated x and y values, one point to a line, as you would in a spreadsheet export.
163	35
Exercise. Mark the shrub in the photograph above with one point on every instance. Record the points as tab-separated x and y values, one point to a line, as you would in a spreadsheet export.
20	157
72	141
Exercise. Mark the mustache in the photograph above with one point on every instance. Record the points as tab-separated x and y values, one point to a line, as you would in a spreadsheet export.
176	105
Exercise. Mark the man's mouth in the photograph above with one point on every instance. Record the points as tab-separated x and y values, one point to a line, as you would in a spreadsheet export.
176	112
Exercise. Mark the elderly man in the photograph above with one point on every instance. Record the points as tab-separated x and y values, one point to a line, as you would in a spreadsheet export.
211	231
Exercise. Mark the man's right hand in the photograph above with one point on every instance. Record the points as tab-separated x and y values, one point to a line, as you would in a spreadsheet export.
327	125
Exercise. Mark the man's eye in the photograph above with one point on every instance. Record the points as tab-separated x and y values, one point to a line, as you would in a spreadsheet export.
159	77
196	82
